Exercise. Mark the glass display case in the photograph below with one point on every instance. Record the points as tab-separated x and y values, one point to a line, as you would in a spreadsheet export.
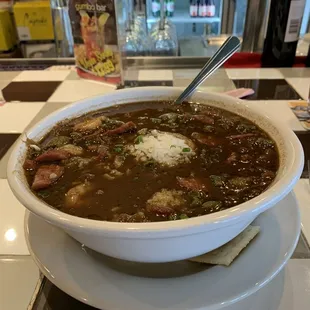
195	36
194	22
207	33
186	24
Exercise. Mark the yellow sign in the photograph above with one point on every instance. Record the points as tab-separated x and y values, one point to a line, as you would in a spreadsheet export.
7	35
34	20
101	64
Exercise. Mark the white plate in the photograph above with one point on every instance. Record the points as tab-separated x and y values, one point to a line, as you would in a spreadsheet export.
108	283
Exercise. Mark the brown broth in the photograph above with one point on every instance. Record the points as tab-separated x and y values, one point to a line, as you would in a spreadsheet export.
238	162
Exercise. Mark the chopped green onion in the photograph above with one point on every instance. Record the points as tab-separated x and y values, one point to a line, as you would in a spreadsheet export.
43	194
186	150
156	120
118	149
173	217
139	140
183	217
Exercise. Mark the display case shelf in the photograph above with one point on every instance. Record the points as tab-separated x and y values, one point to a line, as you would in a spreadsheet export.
181	16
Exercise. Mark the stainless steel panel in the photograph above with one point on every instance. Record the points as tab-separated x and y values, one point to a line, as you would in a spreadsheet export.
255	25
228	16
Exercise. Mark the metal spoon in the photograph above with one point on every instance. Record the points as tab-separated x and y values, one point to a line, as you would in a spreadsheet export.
228	48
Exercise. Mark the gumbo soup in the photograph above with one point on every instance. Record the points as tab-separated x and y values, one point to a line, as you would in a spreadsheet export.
151	161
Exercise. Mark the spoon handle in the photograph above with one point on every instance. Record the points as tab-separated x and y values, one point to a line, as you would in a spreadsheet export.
228	48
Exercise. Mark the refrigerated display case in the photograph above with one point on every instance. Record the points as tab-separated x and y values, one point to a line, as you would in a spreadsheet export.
184	22
197	36
191	30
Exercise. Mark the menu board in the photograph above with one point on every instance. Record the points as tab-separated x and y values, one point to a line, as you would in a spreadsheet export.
94	32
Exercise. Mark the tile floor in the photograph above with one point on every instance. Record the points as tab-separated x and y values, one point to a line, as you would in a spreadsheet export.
302	86
34	76
19	276
13	120
245	74
70	91
12	240
29	90
63	87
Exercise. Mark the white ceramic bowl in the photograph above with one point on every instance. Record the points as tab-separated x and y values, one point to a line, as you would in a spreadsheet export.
161	241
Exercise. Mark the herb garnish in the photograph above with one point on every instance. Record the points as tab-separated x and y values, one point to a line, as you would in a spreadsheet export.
139	140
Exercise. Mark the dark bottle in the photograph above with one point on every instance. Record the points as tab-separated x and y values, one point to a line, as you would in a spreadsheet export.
285	17
308	58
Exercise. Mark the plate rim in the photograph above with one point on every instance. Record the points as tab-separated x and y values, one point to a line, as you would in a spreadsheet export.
215	306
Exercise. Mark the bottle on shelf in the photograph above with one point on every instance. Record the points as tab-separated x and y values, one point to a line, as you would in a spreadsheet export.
282	35
210	8
308	58
156	8
202	8
193	8
169	7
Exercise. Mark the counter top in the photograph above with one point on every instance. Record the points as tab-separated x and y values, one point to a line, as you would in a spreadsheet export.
28	96
205	49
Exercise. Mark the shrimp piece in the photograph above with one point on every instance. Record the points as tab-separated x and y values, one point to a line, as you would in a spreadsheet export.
75	194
